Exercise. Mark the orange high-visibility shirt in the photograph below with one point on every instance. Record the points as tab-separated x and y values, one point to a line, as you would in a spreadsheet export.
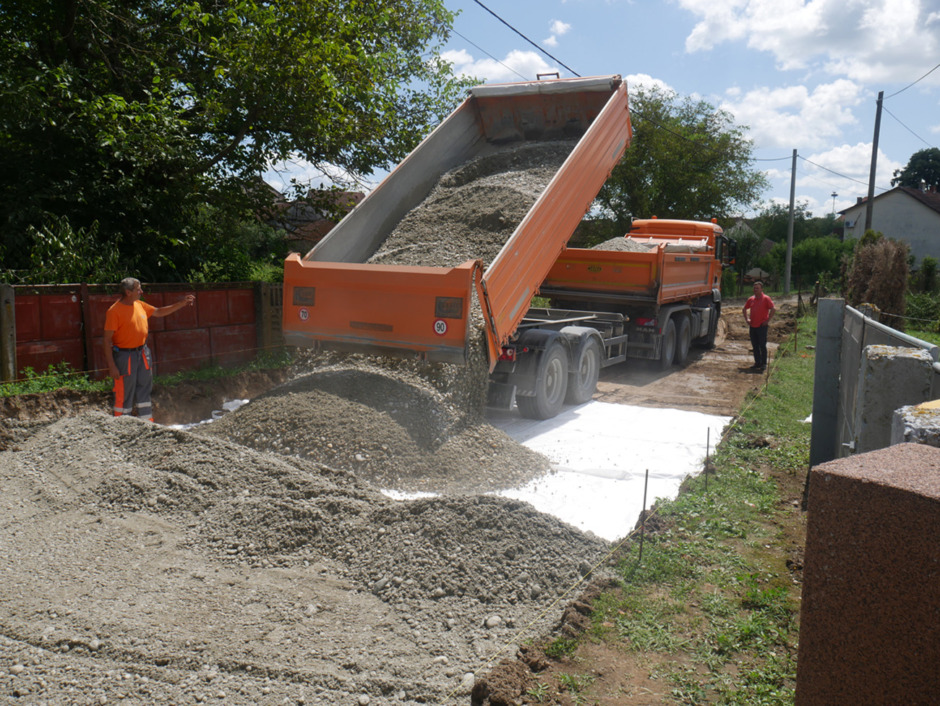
129	323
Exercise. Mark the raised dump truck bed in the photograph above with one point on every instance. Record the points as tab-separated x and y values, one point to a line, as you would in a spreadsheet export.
333	299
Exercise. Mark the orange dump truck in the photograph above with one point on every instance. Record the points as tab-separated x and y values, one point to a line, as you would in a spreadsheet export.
538	358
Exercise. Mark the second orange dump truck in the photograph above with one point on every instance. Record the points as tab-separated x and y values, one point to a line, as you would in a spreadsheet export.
651	301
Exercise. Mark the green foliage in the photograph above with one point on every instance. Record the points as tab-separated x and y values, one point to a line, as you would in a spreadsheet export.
560	647
134	115
54	377
60	254
923	166
926	280
923	312
687	160
773	223
748	249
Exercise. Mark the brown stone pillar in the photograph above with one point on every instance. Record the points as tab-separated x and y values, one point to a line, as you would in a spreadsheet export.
870	616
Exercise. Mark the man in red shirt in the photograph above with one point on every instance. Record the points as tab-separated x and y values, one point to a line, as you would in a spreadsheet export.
761	308
125	347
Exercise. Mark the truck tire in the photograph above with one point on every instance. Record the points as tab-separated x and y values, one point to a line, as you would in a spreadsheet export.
550	386
669	346
582	379
684	340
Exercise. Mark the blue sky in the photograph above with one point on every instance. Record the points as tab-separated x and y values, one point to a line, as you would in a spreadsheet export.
800	75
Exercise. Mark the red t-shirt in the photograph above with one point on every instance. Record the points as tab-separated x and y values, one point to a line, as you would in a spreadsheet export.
760	309
129	323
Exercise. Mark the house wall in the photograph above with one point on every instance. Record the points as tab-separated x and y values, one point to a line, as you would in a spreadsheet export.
901	217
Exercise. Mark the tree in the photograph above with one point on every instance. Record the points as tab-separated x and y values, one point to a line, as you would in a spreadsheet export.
132	116
773	223
687	160
923	166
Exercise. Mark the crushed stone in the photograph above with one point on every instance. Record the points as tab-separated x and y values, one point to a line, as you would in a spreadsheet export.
169	566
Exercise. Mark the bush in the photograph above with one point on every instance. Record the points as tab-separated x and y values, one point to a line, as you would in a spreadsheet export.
879	276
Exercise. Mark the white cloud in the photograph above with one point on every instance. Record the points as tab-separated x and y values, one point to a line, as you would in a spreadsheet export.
864	40
557	29
845	170
793	116
647	81
515	66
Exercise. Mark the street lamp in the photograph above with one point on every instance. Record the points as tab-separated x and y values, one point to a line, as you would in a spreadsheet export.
834	194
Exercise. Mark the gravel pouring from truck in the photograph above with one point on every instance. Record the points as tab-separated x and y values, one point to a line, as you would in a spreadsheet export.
332	299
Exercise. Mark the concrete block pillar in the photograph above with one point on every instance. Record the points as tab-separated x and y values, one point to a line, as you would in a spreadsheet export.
890	378
870	615
917	424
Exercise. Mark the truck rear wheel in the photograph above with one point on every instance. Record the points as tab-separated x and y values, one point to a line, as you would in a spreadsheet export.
684	340
669	346
550	386
582	380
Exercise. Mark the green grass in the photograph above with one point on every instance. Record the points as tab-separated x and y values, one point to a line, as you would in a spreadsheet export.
62	375
711	595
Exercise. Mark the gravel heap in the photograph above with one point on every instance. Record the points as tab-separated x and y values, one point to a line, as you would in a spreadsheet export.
393	429
473	209
623	245
164	566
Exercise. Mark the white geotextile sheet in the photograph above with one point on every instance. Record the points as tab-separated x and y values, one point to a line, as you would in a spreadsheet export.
602	452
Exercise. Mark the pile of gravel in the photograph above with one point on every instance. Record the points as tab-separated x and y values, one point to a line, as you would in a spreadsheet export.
394	430
473	209
168	566
624	245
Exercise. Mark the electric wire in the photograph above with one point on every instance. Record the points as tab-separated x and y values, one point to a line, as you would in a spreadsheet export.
468	41
915	82
534	44
906	127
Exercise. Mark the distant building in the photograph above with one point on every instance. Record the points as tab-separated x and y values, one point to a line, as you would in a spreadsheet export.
904	214
306	221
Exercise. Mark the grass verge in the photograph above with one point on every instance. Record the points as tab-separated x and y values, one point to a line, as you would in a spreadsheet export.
706	607
62	375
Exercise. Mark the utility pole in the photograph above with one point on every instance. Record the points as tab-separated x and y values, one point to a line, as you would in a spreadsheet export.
874	163
789	260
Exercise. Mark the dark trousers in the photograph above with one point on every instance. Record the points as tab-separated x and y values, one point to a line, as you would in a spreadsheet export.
759	345
135	383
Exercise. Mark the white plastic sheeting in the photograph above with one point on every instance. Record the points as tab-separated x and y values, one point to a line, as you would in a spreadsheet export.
602	451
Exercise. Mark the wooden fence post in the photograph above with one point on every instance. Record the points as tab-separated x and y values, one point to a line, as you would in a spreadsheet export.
7	333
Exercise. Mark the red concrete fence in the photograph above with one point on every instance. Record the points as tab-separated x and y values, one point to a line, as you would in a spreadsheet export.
229	325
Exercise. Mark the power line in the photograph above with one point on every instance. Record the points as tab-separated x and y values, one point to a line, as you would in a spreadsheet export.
915	82
843	176
489	55
526	38
905	126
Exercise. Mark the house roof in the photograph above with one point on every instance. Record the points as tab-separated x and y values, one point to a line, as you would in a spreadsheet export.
930	199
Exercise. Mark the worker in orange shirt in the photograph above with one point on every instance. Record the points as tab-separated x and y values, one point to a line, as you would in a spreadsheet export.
758	311
125	347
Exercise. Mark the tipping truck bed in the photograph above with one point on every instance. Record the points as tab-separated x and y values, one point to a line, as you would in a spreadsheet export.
333	299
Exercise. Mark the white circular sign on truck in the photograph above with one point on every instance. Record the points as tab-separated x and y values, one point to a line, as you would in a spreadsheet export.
440	327
304	314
